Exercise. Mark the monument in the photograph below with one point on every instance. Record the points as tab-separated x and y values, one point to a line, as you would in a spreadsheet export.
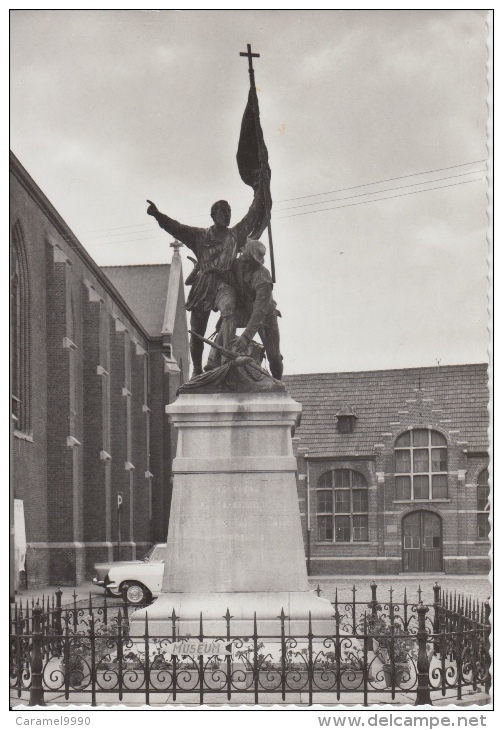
235	540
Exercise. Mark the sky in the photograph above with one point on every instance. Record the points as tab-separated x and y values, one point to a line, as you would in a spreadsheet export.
375	122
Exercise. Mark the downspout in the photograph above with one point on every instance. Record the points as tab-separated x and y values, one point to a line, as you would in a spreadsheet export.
308	498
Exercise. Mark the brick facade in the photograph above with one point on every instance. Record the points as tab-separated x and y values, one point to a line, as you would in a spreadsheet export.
95	375
451	401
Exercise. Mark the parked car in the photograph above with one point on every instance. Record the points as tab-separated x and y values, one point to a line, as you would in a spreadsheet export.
137	580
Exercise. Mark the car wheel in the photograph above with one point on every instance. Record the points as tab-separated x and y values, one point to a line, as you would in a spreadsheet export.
113	594
135	593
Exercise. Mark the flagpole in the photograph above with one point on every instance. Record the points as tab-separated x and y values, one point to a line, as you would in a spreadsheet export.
251	72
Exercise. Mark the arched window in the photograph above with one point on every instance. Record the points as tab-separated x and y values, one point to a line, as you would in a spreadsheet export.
421	465
342	506
20	334
483	526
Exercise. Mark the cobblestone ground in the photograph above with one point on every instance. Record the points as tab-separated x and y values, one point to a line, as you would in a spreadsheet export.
478	587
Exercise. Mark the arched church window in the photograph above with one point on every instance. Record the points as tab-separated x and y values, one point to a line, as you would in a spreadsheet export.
421	465
342	506
20	334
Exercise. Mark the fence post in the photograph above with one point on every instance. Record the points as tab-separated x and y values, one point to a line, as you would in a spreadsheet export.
436	618
120	660
19	653
487	621
229	656
283	655
36	689
173	656
125	605
75	616
201	661
147	661
92	639
373	603
310	665
423	680
338	652
366	667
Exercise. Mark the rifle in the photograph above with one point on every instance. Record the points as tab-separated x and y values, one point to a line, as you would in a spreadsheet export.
244	359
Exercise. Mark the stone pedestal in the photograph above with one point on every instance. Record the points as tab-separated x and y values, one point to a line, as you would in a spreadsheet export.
235	539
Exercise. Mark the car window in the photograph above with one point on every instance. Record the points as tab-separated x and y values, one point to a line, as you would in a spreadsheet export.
148	556
159	552
155	554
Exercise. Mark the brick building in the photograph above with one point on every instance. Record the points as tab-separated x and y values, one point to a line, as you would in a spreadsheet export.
95	355
393	470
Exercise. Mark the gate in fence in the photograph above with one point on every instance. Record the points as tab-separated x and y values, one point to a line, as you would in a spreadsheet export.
377	652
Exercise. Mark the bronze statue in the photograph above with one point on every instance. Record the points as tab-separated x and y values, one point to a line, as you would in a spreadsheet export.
215	248
256	309
238	374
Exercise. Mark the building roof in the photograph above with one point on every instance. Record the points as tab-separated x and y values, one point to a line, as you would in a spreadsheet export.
145	290
453	398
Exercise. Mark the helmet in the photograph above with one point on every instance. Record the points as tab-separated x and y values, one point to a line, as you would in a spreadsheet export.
255	249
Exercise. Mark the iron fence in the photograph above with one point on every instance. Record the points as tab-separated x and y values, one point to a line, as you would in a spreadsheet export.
377	652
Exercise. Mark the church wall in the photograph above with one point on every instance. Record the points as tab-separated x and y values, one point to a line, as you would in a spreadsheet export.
87	354
158	458
118	446
96	463
29	450
141	526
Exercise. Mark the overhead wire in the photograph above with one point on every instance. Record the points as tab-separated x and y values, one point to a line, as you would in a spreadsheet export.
377	200
389	179
313	195
386	190
347	205
321	202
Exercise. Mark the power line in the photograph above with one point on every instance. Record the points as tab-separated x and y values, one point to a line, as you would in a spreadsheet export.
386	190
321	210
314	195
389	179
321	202
377	200
126	233
118	228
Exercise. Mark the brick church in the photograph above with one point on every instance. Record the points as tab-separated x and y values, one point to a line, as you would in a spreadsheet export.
96	353
392	465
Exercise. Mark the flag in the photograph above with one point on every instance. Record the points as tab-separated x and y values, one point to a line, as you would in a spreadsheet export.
251	157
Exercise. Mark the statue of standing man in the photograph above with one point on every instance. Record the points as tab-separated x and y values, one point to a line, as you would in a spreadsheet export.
216	249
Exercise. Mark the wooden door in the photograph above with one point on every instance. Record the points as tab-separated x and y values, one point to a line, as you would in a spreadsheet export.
422	542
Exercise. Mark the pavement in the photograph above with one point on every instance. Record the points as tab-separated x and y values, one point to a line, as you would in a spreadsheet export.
401	701
81	592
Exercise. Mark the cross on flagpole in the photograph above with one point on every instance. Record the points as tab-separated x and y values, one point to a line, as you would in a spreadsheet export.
250	56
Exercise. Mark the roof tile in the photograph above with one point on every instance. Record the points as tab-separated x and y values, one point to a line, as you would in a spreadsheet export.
455	392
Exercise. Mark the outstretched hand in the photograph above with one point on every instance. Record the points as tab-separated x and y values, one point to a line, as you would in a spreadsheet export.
152	208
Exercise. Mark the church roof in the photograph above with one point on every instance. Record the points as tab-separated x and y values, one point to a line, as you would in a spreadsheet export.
144	289
453	398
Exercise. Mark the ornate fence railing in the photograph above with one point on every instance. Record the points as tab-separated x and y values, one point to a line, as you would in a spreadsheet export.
377	651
